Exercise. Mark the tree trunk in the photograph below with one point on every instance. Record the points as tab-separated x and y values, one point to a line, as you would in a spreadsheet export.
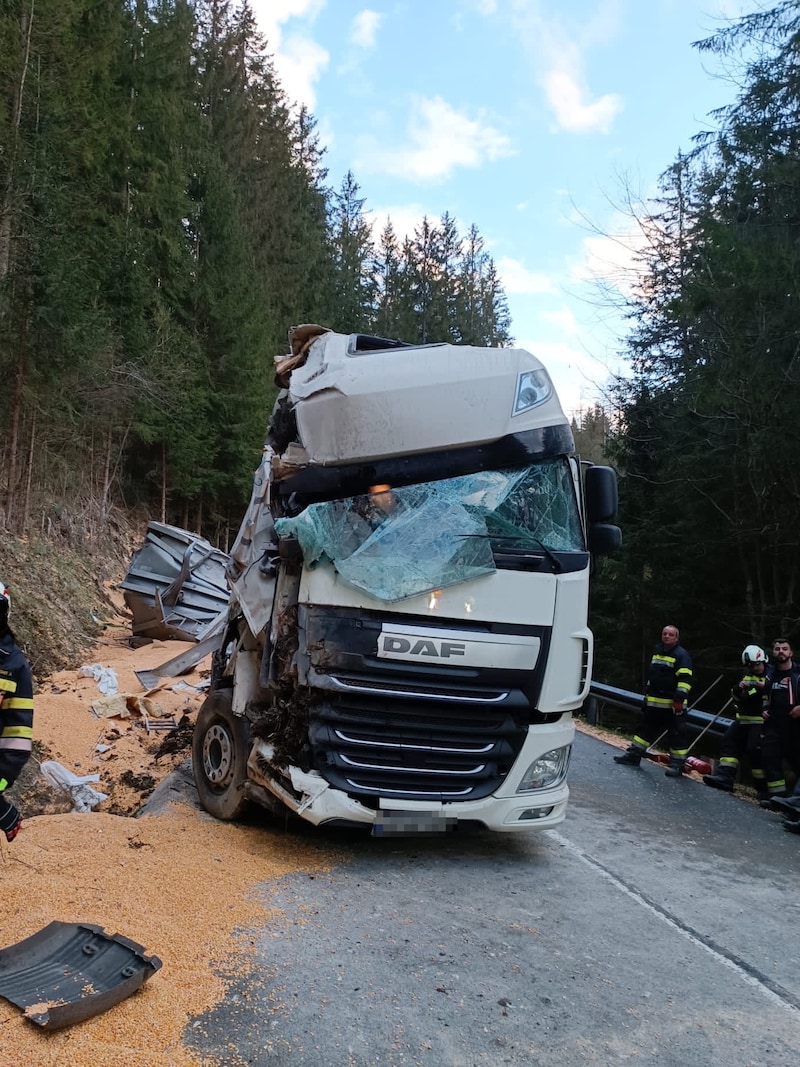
26	509
15	423
164	483
104	509
6	207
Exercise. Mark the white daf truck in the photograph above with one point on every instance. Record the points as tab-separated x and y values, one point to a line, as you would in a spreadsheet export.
407	635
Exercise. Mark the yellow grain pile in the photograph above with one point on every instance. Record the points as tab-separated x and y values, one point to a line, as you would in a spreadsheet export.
64	722
179	883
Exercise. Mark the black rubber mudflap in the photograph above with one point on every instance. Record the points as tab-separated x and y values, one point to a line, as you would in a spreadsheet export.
68	972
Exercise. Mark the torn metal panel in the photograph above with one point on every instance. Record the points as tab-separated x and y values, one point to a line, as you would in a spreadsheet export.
251	572
68	972
183	663
175	586
400	543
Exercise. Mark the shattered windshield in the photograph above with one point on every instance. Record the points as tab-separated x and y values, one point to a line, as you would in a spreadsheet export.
397	543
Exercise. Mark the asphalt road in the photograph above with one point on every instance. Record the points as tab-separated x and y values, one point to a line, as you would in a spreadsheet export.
657	925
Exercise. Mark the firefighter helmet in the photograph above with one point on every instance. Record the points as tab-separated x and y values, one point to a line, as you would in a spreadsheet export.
752	655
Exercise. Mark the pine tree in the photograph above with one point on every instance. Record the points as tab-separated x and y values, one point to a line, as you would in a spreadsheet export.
388	272
714	395
355	287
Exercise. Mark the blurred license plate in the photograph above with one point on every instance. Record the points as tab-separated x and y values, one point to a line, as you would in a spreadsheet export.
411	822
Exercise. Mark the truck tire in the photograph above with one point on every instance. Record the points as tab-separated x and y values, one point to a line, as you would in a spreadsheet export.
220	746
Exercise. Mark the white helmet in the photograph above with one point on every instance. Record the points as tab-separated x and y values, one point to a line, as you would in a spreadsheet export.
752	655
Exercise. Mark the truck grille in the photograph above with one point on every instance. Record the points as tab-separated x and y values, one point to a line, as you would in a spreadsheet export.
414	750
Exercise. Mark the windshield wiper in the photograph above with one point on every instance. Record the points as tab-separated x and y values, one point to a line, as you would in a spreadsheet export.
523	539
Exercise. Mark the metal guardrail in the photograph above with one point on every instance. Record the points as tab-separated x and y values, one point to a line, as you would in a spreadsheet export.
628	701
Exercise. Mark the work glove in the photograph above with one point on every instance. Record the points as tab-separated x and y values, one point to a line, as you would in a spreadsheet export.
677	707
10	819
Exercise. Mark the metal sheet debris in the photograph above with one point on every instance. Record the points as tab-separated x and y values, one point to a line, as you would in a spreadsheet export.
68	972
178	665
175	586
168	722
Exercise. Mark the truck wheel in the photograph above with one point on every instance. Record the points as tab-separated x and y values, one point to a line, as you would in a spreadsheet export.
220	745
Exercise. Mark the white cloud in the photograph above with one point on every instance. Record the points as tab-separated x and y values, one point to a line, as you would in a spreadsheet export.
567	98
365	28
272	14
563	320
440	139
612	259
299	61
518	279
405	218
558	56
299	65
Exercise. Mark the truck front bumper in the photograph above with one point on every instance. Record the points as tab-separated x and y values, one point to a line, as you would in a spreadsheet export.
505	811
529	811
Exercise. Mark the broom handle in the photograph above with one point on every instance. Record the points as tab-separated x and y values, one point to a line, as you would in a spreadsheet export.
697	701
708	726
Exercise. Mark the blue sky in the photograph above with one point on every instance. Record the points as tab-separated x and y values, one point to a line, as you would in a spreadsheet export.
533	119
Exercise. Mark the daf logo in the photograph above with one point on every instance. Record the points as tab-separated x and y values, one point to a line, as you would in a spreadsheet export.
437	649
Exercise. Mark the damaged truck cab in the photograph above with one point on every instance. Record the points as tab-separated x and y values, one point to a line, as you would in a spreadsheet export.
407	636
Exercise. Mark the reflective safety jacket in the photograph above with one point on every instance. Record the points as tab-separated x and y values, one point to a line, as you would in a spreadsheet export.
750	701
669	677
16	710
782	692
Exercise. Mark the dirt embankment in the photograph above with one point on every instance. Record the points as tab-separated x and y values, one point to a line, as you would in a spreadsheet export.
68	612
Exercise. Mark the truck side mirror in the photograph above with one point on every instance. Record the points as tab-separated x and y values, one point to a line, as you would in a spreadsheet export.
604	539
600	492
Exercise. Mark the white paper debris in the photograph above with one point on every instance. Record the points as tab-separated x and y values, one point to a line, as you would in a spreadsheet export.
84	797
104	676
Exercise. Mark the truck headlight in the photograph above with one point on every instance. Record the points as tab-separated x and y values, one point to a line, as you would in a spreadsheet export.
533	388
546	771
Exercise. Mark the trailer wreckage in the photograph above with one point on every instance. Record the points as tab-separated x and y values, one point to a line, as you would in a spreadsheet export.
407	636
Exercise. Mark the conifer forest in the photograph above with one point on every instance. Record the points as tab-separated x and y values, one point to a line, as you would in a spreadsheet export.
166	215
705	427
164	221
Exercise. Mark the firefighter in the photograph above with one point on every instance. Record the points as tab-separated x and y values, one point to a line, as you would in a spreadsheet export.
743	736
780	739
669	682
16	715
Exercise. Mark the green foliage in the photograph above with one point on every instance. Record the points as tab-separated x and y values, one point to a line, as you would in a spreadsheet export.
709	436
355	286
439	286
164	220
591	433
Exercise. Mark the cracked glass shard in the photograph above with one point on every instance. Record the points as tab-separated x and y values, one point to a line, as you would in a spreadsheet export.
397	543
